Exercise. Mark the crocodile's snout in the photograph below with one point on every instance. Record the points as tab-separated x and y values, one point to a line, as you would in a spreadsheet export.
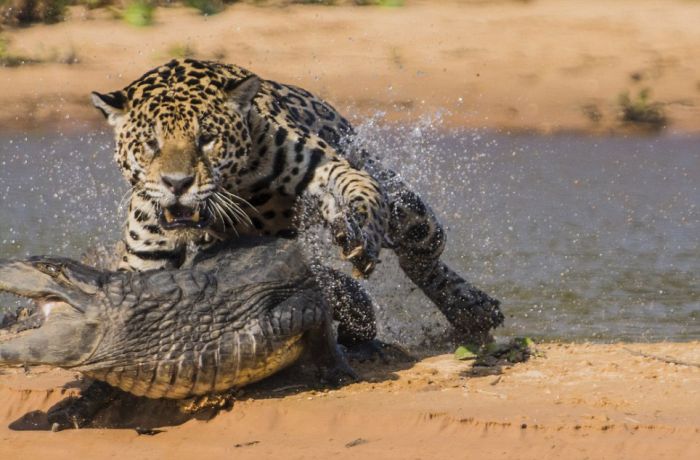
58	332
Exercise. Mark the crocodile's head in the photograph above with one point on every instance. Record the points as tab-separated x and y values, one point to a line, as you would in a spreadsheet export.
64	330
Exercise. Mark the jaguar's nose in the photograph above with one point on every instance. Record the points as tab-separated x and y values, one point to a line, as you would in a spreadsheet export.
177	183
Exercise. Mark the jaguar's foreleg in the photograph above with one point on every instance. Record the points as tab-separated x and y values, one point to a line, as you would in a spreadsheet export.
353	205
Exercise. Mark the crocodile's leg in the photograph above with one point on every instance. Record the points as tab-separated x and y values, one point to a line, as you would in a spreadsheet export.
326	351
354	310
352	305
418	240
78	412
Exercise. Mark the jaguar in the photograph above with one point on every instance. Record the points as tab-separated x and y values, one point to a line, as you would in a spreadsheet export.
213	151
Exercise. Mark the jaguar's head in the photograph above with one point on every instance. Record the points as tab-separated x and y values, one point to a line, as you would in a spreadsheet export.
182	134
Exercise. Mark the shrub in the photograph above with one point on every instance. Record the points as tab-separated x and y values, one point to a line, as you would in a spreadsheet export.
641	111
24	12
206	7
139	13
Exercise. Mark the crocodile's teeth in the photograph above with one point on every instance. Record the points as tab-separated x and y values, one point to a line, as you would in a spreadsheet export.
168	216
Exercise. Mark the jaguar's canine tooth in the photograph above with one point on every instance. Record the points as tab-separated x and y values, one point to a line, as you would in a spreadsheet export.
195	216
168	215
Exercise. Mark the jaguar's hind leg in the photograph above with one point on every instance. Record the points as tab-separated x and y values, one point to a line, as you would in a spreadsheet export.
418	240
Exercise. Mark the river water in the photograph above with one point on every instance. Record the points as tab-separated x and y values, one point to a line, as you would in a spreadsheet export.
582	238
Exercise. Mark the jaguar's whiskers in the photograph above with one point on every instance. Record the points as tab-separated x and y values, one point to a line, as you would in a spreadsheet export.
227	209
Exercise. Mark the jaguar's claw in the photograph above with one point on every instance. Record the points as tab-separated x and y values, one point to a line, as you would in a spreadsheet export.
341	238
355	253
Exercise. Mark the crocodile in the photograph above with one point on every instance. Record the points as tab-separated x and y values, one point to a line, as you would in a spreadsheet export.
238	314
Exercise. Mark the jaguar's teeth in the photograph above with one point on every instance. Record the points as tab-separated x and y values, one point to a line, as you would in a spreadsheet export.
168	216
195	216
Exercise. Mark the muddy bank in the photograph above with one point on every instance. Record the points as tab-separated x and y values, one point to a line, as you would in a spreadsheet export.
577	401
544	65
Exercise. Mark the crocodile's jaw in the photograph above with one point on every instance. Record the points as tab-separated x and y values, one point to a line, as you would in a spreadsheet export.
26	279
63	340
65	337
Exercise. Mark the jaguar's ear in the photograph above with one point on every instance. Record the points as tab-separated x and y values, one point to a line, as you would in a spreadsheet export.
112	105
241	93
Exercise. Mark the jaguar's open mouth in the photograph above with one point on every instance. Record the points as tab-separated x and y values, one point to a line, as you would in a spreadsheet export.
179	216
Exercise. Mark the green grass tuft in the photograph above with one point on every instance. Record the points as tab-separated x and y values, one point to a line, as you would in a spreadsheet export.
139	13
641	111
206	7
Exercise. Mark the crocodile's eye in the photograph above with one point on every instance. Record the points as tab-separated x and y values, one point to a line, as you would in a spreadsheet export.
50	269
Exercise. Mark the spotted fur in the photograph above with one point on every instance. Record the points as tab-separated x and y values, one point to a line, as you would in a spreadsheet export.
212	151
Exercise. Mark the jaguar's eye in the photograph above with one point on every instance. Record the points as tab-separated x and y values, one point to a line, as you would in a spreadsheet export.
205	140
152	145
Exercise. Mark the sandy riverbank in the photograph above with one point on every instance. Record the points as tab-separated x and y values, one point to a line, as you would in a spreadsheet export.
545	65
578	401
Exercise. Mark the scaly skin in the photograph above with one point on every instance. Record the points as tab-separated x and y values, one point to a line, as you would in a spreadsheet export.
241	314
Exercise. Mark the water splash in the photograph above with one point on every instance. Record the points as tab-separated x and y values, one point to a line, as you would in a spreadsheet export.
581	238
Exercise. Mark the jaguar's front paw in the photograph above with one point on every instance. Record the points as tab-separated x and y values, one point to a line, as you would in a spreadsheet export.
357	245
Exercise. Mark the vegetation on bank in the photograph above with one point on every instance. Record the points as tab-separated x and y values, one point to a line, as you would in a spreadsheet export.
23	12
633	109
641	111
138	12
9	59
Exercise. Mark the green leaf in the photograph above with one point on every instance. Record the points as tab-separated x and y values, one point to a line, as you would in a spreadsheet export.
524	342
465	352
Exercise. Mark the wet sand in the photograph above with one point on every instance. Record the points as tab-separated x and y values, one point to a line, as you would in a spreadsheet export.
576	401
545	65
